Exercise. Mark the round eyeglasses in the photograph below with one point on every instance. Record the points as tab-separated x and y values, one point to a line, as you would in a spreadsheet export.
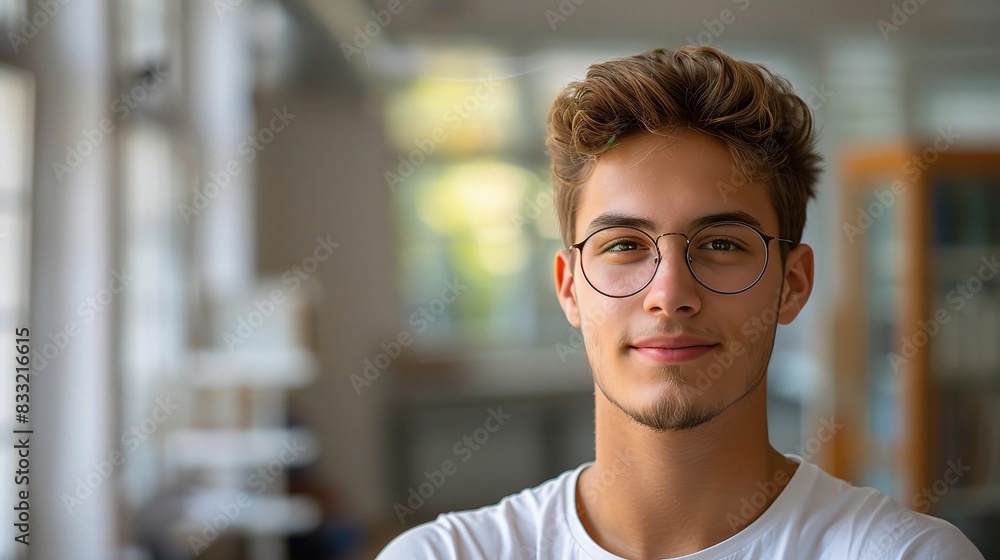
725	257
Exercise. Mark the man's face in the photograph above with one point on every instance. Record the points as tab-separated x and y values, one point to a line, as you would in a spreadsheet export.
672	181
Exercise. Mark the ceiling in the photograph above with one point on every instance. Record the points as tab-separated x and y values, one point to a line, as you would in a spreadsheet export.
528	24
940	35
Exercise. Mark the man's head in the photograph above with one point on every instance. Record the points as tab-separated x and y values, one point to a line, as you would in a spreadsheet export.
767	128
666	141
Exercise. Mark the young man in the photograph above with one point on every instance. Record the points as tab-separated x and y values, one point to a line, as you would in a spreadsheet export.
681	180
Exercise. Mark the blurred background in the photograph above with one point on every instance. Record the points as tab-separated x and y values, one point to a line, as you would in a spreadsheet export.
281	261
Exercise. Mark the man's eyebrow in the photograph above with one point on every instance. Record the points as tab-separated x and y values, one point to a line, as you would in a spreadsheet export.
610	219
735	216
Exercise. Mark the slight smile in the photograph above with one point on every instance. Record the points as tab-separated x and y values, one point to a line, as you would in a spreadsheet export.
674	349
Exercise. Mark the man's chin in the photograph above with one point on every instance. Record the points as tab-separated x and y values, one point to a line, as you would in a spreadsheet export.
672	419
671	408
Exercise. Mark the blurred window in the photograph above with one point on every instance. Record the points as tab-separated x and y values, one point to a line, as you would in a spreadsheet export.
154	170
16	132
154	321
475	217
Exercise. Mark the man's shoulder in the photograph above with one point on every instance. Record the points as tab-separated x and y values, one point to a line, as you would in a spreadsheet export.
429	540
880	526
500	530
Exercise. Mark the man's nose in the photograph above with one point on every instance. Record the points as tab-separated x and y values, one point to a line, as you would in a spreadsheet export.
673	289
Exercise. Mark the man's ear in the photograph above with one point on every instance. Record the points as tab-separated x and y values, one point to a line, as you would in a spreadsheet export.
798	283
565	287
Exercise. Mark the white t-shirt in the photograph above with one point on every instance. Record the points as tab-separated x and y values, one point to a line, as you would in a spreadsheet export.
815	517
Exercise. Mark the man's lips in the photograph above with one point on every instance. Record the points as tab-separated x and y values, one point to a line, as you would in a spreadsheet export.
673	349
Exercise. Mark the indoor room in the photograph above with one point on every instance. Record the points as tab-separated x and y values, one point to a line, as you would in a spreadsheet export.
279	276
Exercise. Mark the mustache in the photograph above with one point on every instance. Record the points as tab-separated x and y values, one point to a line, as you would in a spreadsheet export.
626	339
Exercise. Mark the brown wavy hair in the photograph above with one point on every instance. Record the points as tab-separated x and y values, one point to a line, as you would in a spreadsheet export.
767	127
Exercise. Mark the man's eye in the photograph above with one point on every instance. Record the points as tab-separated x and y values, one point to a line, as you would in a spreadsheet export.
722	245
621	246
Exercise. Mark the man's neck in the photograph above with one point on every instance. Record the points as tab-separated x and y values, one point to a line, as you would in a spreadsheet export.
667	494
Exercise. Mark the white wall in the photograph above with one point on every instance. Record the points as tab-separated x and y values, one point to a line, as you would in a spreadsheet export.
323	176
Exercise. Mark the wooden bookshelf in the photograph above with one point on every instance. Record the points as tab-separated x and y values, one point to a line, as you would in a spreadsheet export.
916	222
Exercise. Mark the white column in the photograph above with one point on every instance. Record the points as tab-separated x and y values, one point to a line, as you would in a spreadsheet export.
72	412
219	61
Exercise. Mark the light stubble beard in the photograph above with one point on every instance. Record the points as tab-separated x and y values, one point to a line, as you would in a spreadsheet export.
677	408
